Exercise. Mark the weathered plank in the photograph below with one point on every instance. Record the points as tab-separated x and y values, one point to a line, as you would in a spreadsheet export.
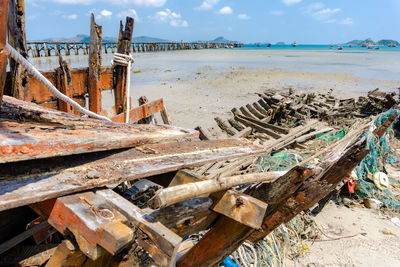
3	49
266	125
64	83
257	126
141	112
17	39
60	134
225	126
94	76
120	72
66	254
79	172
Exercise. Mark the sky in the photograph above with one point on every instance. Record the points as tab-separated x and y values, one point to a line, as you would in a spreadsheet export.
303	21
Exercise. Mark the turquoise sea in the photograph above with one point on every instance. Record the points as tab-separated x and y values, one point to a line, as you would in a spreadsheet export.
317	47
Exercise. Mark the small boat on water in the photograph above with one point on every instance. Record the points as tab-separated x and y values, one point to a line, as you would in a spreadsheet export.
350	46
268	45
363	45
294	44
340	47
331	47
258	44
377	48
369	47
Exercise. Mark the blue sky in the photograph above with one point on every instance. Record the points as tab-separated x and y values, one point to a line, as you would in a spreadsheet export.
304	21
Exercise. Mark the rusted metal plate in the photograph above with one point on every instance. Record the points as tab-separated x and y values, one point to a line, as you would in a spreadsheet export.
28	131
79	172
141	112
241	208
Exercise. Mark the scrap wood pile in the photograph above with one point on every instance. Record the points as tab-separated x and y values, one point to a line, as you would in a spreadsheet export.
349	116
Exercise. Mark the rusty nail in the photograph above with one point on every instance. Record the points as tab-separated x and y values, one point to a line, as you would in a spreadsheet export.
106	214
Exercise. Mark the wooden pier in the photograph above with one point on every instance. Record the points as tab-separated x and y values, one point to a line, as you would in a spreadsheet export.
47	49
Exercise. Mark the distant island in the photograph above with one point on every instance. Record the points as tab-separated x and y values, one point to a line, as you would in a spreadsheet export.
280	43
83	38
369	41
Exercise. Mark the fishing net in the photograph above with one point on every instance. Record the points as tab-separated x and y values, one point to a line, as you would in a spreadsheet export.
280	161
380	152
331	136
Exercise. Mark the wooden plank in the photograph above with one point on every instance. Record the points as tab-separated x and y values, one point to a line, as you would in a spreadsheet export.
266	125
60	134
246	112
235	124
161	237
186	217
225	126
242	208
94	76
3	49
120	72
227	234
17	39
64	83
49	179
66	254
141	112
260	109
204	134
257	127
255	112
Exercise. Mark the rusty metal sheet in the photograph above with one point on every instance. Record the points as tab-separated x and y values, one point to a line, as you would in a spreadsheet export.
45	179
141	112
28	131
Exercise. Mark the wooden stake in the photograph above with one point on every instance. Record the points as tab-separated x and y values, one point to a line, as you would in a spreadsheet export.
120	72
3	49
94	66
64	83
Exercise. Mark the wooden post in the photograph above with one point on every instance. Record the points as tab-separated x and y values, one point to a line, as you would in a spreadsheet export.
3	42
120	72
64	83
17	39
94	66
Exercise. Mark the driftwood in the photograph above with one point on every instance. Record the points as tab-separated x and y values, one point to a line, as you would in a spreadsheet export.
171	195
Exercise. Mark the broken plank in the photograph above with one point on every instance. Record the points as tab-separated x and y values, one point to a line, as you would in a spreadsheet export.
79	172
48	133
257	127
255	112
246	112
266	125
236	125
225	126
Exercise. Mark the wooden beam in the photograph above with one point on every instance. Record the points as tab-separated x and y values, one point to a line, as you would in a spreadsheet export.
266	125
3	43
94	76
41	180
225	126
66	254
242	208
64	83
171	195
257	127
17	39
227	234
120	72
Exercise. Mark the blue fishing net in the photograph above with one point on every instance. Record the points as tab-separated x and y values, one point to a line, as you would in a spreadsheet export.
379	151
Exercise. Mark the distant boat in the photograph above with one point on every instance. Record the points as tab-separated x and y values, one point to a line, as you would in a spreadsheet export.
377	48
369	47
363	45
331	47
258	45
350	46
294	44
340	47
268	45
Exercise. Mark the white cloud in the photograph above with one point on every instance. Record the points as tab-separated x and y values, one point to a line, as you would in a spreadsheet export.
153	3
105	13
276	12
226	10
167	16
72	16
129	13
325	14
207	4
243	16
291	2
347	21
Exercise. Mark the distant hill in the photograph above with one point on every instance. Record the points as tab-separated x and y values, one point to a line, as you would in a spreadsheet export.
222	39
86	38
369	41
280	43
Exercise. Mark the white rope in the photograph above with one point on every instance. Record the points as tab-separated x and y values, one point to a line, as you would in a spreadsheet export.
32	70
125	60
